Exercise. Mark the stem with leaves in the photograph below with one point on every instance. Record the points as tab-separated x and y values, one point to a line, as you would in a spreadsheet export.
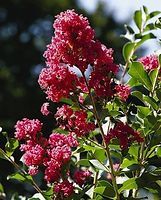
104	142
22	171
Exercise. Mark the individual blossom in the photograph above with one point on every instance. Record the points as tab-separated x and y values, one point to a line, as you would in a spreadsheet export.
150	62
44	109
64	189
80	176
58	82
27	128
122	91
125	134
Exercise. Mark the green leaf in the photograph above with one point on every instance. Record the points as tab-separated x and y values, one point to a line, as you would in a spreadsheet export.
105	189
126	162
1	188
144	111
138	19
129	184
11	145
138	94
20	177
145	10
137	71
83	162
144	38
128	50
150	27
98	165
158	23
67	101
158	93
100	154
159	151
153	14
151	102
153	77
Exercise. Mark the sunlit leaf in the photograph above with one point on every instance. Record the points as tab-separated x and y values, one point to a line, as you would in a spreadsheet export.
137	71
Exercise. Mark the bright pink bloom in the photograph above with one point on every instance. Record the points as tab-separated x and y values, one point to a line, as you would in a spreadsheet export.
125	134
34	156
44	109
58	82
123	91
65	188
27	128
80	176
149	62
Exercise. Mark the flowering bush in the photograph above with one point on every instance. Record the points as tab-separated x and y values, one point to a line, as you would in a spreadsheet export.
107	144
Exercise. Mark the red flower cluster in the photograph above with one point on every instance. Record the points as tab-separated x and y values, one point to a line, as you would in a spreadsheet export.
74	45
74	121
58	82
150	62
64	189
51	155
125	134
81	176
122	91
27	128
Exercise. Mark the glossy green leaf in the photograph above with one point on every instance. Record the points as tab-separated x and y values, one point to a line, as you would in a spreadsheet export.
20	177
83	162
137	71
138	94
151	102
144	38
153	14
128	50
145	9
126	162
145	111
100	154
129	184
105	189
11	145
138	19
67	101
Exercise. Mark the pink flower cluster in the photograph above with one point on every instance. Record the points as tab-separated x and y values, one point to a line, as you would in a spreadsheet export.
122	91
150	62
51	155
74	121
125	134
74	45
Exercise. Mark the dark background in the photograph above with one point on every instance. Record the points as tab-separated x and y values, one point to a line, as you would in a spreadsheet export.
25	30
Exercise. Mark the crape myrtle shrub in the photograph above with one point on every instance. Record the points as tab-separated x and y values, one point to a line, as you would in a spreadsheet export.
105	146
